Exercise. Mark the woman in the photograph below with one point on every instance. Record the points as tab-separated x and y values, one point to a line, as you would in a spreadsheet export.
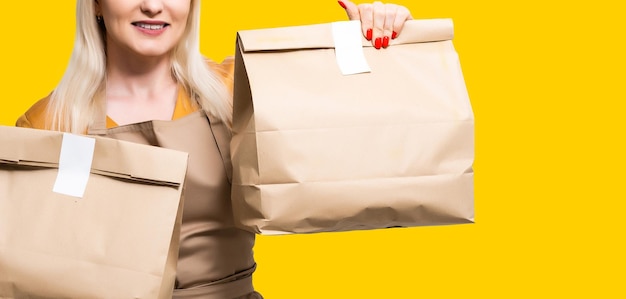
136	74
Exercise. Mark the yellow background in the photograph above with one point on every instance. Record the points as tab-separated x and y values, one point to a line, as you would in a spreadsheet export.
546	80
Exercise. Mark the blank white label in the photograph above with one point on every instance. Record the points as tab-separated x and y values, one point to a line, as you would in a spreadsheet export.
349	48
74	165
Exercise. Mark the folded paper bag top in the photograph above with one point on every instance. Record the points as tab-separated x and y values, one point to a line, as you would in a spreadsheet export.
314	150
320	36
344	37
40	148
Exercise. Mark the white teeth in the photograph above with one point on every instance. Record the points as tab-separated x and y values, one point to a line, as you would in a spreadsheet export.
151	27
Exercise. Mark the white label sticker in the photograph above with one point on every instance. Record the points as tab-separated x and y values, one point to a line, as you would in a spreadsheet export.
349	47
74	165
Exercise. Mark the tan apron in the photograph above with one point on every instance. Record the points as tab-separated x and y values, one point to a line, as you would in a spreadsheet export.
215	258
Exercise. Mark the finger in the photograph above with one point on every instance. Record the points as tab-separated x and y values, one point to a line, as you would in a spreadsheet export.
388	28
402	15
366	12
379	15
351	9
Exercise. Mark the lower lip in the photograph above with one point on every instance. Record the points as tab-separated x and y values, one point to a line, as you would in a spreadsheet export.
150	31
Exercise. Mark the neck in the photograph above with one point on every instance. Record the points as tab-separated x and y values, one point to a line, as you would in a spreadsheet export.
139	88
137	76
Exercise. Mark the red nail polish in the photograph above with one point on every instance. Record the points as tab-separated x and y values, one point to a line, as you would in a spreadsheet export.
394	35
378	43
385	41
342	4
369	34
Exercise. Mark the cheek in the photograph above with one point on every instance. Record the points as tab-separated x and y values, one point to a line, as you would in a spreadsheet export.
182	9
182	16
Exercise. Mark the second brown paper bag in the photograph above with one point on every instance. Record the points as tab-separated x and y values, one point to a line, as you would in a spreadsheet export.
119	239
315	150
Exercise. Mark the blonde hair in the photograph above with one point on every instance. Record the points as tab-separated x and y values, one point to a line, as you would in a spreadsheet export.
73	104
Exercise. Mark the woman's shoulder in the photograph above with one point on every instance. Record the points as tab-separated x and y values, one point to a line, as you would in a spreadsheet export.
35	116
225	70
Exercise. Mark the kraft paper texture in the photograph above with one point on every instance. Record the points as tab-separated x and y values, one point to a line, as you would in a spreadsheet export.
316	151
120	240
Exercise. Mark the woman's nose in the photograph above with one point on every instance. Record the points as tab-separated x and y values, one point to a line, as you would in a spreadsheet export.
152	7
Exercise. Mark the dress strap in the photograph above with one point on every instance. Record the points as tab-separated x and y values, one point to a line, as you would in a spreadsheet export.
222	137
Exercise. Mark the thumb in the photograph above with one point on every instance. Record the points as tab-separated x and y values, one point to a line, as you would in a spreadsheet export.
351	9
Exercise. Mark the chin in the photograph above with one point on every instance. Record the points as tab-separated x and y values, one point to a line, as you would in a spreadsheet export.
157	52
154	53
153	49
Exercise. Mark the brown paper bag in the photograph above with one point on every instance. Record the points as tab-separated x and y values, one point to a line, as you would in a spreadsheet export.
119	240
315	150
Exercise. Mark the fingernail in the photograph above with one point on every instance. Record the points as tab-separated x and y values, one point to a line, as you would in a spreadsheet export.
342	4
385	41
394	35
378	43
369	34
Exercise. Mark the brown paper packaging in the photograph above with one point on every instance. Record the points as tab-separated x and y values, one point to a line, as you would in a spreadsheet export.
120	240
316	151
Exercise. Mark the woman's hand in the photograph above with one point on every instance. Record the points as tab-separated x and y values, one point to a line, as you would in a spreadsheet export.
380	22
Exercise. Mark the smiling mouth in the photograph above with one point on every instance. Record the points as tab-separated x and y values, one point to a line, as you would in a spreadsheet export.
150	26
